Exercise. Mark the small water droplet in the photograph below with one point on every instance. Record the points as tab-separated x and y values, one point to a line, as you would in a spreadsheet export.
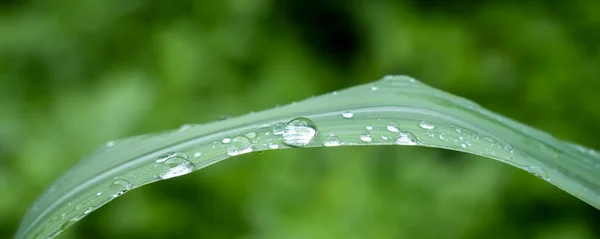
347	114
384	137
226	140
98	193
278	128
273	146
508	148
110	144
406	138
431	134
539	172
393	127
469	143
118	187
251	135
240	145
464	146
458	130
366	136
388	77
299	132
197	155
88	210
443	137
374	88
332	141
334	93
369	127
174	164
426	125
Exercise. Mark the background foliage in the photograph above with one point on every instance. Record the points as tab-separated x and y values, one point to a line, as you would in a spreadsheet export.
75	74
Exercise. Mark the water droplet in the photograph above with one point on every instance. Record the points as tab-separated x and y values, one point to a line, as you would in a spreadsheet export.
384	137
374	88
273	146
299	132
110	144
278	128
174	164
469	143
366	136
393	127
431	134
369	127
332	141
539	172
347	114
458	130
406	138
388	77
508	148
464	146
489	140
88	210
240	145
226	140
251	135
98	193
443	137
426	125
334	93
118	187
197	155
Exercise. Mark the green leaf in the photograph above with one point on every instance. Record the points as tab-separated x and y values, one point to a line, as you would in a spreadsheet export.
396	110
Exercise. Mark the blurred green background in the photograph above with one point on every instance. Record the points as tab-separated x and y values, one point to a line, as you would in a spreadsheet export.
76	74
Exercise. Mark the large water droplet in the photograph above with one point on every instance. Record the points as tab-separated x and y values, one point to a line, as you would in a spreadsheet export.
393	127
299	132
366	136
347	114
278	128
406	138
118	187
173	165
539	172
240	145
426	125
332	141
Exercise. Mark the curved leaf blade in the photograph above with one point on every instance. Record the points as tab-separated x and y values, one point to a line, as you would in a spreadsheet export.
394	110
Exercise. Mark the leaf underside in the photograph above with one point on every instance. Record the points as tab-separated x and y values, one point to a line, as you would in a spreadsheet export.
396	110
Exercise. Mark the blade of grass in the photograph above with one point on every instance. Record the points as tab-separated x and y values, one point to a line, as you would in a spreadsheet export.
396	110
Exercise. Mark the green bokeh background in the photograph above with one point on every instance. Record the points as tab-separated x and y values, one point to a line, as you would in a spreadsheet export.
76	74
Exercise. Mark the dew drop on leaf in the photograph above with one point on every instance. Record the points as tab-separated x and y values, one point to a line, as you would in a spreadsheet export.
365	136
426	125
347	114
299	132
393	127
173	164
406	138
240	145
